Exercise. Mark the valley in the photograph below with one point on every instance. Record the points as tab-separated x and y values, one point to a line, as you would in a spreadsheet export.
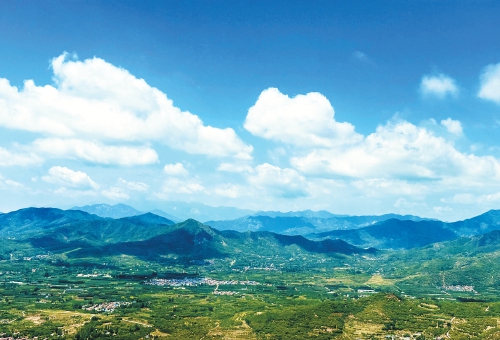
73	275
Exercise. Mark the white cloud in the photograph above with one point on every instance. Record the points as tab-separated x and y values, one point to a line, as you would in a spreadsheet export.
490	83
9	184
439	86
380	187
230	167
440	210
176	169
304	120
230	190
8	158
272	180
96	101
471	199
453	126
134	186
69	178
115	193
462	199
96	152
177	186
398	150
75	193
122	189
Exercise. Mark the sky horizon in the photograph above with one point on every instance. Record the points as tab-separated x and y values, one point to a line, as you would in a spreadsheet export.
355	108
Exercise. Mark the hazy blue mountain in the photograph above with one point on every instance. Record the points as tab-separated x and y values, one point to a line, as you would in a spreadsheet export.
481	224
121	210
114	211
194	240
303	213
148	219
174	211
164	214
297	223
283	225
393	234
202	212
97	233
145	236
31	221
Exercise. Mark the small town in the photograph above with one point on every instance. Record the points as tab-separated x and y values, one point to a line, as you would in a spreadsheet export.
198	281
106	307
459	288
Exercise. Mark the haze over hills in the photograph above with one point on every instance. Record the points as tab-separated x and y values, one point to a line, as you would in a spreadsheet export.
481	224
120	210
303	222
393	234
399	234
51	228
175	211
146	235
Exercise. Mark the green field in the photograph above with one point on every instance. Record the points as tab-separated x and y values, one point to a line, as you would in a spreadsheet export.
52	297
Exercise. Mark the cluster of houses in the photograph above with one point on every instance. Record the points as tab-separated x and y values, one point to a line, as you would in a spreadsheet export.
106	306
198	281
459	288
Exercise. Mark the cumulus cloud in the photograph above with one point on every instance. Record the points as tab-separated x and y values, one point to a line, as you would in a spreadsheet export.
123	188
69	178
115	193
177	186
231	167
95	152
230	190
453	126
272	180
490	83
304	120
438	86
134	186
9	184
96	102
176	169
8	158
398	150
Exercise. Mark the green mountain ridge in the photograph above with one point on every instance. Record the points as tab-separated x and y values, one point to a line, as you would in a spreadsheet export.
304	222
149	237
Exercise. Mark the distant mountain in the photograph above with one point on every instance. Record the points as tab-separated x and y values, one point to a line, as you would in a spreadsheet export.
147	236
148	219
481	224
303	213
30	221
194	240
282	225
175	211
164	214
55	227
202	212
114	211
393	234
303	222
120	210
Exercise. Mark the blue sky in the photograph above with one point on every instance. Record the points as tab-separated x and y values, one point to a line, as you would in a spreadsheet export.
354	107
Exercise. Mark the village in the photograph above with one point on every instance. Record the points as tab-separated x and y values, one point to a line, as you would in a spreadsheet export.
198	281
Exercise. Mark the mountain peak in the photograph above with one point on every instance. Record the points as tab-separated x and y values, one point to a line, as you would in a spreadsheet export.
114	211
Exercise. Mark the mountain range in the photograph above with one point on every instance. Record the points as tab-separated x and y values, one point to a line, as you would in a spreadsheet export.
148	233
303	222
146	236
405	234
